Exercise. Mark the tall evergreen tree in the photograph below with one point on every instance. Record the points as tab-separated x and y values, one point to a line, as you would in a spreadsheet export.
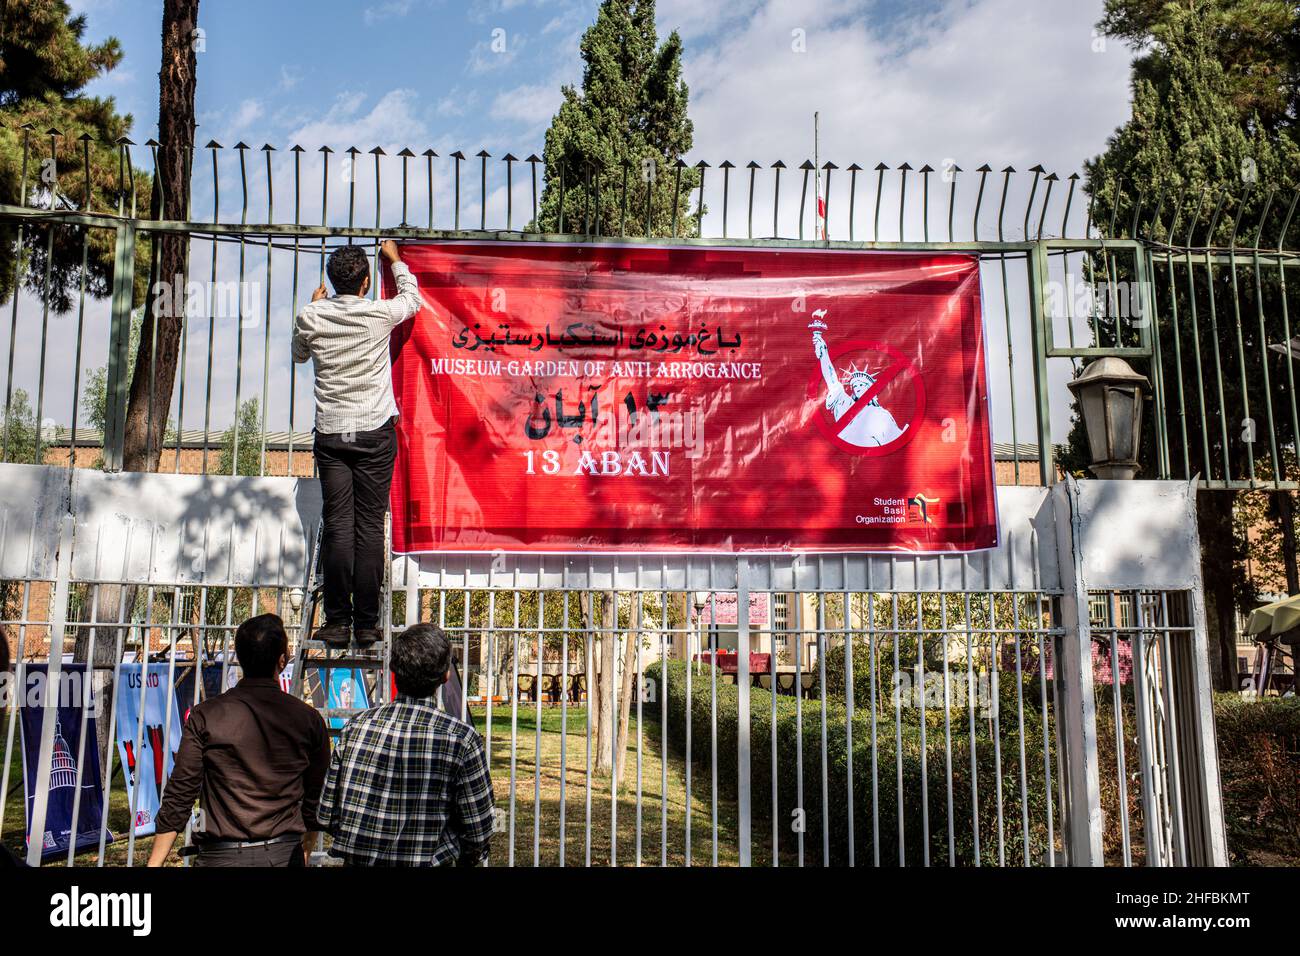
611	159
1257	42
1196	143
616	142
44	67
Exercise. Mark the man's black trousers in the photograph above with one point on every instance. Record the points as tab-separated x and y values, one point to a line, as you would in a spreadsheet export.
356	471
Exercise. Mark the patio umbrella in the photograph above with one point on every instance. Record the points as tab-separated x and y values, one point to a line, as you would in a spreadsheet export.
1277	617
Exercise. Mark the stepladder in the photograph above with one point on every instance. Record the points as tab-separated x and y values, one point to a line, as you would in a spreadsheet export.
341	680
345	681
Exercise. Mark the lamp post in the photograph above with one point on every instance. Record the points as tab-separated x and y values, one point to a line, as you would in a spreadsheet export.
1110	396
296	597
701	601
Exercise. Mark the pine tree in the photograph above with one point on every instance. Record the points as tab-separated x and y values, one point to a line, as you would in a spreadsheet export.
25	445
154	377
44	66
614	145
1188	129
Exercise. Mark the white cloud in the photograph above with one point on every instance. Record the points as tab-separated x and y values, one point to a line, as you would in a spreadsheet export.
532	104
482	10
387	11
394	119
456	103
248	112
995	79
290	77
497	52
693	19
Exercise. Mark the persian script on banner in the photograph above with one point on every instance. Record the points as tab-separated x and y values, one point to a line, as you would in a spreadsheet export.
569	397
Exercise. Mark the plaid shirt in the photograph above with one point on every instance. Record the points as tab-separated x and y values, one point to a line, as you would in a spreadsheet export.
408	785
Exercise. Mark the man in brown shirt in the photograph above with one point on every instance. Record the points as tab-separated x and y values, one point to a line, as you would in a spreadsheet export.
255	758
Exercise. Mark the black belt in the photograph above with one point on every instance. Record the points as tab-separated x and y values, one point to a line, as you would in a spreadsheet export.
209	845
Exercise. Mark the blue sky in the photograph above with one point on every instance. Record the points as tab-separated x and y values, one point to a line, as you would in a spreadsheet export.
1016	82
937	81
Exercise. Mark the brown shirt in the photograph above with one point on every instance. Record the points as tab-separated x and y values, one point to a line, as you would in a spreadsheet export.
255	758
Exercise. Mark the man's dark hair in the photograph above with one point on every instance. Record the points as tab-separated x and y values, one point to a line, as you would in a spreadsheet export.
259	642
4	651
420	657
348	267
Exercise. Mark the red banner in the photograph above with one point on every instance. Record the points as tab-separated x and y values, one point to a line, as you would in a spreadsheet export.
567	397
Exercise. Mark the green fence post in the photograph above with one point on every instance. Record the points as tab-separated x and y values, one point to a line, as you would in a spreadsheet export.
119	340
1040	331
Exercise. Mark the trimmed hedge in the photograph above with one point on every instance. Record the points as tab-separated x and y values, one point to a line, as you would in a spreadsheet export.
922	789
1259	766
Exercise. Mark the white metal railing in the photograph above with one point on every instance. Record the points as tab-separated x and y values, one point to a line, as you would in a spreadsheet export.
932	709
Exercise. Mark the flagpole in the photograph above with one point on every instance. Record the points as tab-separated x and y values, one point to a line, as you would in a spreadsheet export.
818	232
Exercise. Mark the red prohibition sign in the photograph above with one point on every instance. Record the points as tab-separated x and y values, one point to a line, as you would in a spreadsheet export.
900	367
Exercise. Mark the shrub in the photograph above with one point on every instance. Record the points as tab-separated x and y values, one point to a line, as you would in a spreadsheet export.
1259	767
922	769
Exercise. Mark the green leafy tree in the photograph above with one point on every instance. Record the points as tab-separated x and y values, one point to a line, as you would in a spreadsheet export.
624	130
20	425
1203	136
250	442
44	67
1257	515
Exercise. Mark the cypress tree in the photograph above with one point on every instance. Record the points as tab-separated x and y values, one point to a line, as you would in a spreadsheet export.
627	125
1196	143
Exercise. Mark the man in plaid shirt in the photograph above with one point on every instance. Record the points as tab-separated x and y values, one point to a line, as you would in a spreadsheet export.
408	784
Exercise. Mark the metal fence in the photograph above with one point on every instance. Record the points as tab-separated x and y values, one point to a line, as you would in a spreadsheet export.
1013	707
927	711
1063	280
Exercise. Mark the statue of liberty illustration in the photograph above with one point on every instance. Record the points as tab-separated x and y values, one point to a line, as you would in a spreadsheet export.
869	423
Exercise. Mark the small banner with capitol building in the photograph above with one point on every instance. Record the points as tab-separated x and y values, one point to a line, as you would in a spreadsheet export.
602	397
74	792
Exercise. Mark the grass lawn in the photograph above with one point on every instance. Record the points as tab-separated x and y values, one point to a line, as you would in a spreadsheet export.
526	807
527	780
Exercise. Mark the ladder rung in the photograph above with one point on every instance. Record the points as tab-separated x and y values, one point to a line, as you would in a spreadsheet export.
340	713
312	644
345	663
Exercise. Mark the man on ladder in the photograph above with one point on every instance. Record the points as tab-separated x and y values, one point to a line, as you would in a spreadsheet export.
346	337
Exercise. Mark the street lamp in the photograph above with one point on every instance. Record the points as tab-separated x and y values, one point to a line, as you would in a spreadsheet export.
701	601
1110	395
296	596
